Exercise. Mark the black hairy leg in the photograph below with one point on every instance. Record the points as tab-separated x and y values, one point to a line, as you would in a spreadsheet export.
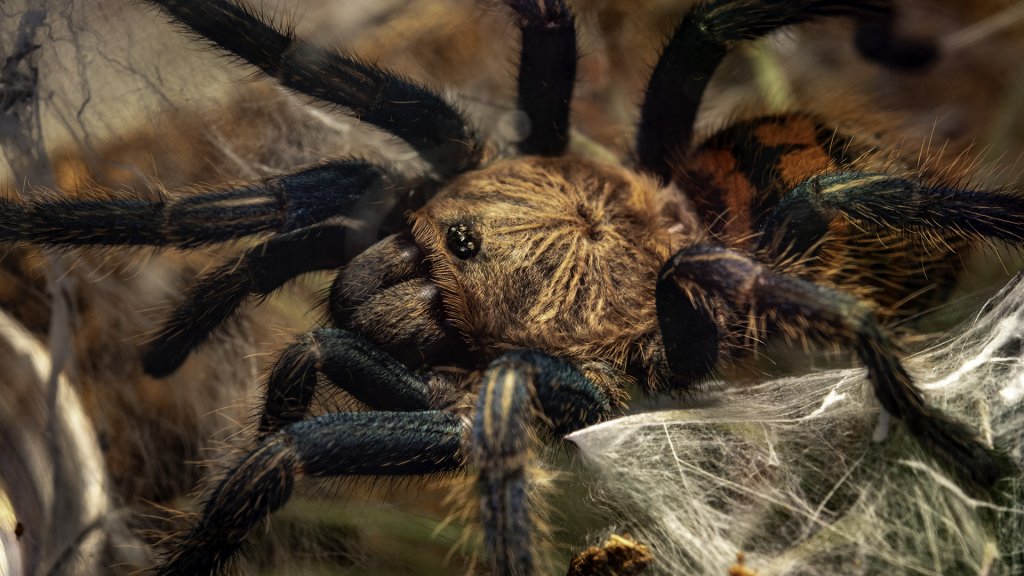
885	203
350	362
343	444
689	332
884	237
547	73
275	204
525	395
708	274
440	134
523	390
692	55
877	39
218	295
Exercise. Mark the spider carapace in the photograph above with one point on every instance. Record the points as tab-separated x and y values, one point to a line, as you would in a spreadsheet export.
526	292
528	253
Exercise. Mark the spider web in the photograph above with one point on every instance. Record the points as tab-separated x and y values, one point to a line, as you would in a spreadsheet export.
787	473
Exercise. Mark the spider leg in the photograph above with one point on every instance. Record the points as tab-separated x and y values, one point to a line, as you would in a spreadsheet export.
440	134
547	73
898	241
276	204
216	296
882	202
349	362
878	40
343	444
522	389
266	267
695	50
707	274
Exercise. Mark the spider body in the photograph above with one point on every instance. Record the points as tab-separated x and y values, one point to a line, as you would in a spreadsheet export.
525	293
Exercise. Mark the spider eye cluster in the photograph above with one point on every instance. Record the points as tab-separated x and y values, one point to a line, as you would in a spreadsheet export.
463	241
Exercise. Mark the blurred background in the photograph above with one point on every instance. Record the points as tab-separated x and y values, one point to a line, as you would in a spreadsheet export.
104	95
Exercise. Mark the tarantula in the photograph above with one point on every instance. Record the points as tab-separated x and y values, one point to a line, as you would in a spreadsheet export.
525	293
